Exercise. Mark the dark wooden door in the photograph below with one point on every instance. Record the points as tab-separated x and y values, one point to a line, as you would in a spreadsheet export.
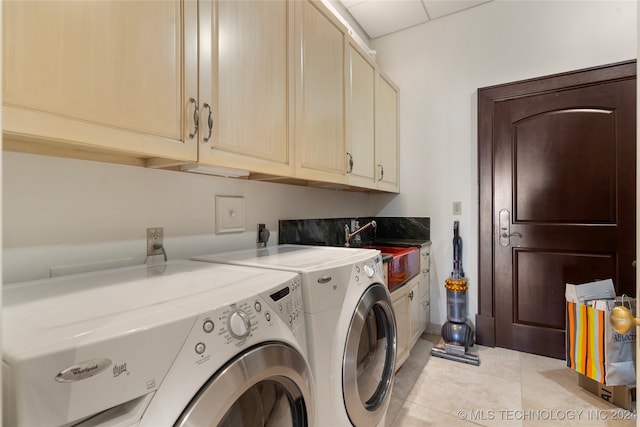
563	164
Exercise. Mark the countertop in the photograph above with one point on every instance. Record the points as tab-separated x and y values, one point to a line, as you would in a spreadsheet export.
402	242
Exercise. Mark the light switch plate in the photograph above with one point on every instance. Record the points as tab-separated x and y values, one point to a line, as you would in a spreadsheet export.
457	208
229	214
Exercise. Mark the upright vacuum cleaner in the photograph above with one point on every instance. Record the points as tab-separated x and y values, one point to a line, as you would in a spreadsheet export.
457	333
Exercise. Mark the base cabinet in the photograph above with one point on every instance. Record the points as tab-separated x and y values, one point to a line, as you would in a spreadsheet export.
402	312
425	283
406	307
412	308
415	319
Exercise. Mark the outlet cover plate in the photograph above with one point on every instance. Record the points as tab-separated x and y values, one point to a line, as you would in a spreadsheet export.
229	214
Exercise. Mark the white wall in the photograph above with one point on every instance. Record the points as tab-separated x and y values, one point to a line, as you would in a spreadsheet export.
59	212
440	65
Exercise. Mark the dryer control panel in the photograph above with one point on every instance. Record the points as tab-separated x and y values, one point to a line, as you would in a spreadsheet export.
366	271
287	304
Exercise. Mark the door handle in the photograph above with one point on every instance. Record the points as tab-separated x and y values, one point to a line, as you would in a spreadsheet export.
504	234
504	222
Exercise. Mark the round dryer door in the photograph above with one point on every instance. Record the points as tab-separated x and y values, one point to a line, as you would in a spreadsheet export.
370	357
268	385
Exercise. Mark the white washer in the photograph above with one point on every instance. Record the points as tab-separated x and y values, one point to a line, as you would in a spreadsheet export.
186	344
351	328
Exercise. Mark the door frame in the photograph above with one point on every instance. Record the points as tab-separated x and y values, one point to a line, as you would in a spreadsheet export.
488	97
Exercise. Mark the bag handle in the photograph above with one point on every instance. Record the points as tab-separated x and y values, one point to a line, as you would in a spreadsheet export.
628	301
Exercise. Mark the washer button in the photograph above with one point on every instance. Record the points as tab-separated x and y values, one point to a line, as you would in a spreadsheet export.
200	348
208	326
267	316
258	306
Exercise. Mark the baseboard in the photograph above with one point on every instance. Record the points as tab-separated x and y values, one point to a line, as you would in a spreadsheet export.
433	329
485	330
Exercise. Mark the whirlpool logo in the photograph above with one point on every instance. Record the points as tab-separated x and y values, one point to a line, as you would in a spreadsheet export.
83	370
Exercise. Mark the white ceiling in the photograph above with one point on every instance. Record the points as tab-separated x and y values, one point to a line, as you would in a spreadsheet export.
380	17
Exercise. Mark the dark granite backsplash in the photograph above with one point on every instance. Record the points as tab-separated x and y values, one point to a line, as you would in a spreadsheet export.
330	231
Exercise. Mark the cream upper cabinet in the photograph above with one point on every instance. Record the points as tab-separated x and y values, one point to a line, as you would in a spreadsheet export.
360	119
320	94
115	75
245	85
387	144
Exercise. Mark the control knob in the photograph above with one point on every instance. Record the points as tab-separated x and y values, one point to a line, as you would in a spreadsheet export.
369	271
239	324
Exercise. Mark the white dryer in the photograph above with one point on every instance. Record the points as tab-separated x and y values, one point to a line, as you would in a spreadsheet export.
351	329
185	344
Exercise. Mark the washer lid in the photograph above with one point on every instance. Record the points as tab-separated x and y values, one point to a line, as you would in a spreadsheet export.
293	257
58	312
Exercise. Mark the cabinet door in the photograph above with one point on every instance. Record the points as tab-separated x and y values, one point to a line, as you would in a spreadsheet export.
415	312
320	82
245	89
425	261
425	314
360	120
399	301
387	149
425	292
101	74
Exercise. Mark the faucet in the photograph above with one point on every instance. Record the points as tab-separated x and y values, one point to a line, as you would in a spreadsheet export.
348	236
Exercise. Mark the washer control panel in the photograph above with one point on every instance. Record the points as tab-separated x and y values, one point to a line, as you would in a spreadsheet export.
236	324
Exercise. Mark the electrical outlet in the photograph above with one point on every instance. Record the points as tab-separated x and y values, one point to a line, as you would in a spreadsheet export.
263	236
457	208
155	237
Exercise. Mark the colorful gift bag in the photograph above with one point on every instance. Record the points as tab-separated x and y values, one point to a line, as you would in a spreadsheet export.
594	349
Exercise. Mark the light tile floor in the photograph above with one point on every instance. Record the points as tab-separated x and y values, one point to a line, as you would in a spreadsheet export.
509	388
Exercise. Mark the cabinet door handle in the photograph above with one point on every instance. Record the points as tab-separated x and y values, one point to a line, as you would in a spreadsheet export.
349	163
381	171
209	120
411	295
196	118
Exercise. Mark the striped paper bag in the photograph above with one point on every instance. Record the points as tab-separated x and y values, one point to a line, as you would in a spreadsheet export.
594	349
